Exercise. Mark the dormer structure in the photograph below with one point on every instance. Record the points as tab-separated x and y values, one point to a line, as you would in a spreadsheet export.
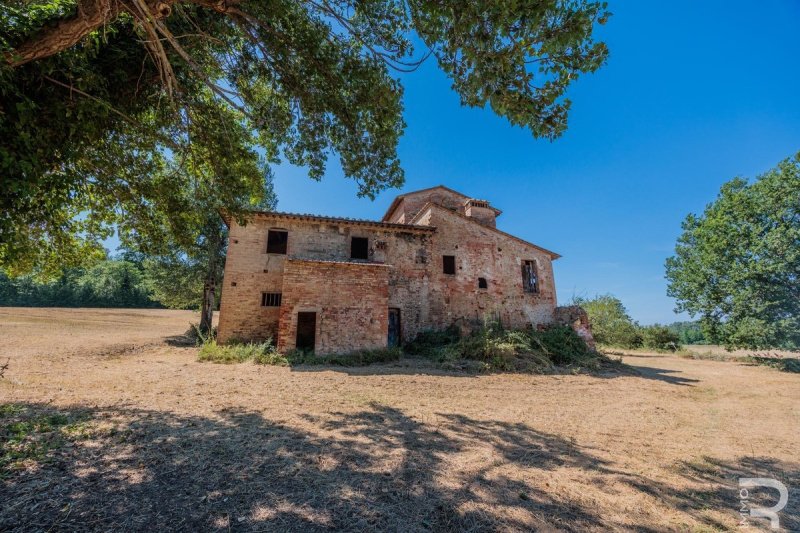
407	206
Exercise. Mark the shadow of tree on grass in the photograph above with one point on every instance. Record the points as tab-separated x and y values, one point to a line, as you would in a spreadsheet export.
375	469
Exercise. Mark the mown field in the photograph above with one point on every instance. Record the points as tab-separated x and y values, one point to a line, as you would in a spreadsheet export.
109	422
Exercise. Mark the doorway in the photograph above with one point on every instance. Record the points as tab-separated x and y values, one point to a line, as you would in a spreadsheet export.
394	327
306	331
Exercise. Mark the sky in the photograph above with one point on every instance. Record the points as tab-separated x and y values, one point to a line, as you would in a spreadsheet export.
693	94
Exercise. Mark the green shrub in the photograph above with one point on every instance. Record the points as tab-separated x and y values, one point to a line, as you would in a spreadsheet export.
659	337
357	358
785	364
562	345
496	348
611	324
261	353
488	348
431	343
198	337
265	353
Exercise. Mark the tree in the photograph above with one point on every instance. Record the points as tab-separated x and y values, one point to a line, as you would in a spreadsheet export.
109	283
688	332
187	275
737	265
611	324
109	107
659	337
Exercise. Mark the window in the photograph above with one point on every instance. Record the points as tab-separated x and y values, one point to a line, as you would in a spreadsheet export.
530	281
270	299
449	264
276	241
359	248
482	283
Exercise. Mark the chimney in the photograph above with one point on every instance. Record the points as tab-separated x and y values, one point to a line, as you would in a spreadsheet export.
481	211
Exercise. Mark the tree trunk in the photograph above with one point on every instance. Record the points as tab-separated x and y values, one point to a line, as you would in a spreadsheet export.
92	15
210	284
207	310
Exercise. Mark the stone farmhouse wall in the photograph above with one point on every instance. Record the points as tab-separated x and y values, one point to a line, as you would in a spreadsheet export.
251	271
350	300
404	271
481	252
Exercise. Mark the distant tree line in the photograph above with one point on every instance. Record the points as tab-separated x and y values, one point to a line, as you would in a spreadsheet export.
689	332
131	280
110	283
612	326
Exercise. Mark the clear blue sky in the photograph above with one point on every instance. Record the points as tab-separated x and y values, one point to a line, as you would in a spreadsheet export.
694	93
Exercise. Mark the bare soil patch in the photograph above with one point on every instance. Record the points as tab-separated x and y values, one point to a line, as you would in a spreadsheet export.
160	441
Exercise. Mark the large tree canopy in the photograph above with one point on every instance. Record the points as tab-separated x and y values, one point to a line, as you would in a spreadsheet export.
737	265
110	107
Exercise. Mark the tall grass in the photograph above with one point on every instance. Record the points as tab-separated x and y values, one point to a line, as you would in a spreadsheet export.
496	348
491	348
265	353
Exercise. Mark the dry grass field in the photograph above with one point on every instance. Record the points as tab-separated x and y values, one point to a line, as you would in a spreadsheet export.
132	433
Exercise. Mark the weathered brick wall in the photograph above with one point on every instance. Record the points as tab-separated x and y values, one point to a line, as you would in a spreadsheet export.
577	318
484	215
253	271
414	201
350	300
249	271
481	252
415	284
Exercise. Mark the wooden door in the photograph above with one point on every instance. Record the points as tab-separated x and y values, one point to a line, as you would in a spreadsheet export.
306	331
394	327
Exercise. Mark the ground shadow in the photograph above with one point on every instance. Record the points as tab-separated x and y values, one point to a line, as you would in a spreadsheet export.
376	469
409	366
661	374
716	487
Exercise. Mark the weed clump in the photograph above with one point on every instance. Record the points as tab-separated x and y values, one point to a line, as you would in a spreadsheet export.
493	348
356	358
263	353
28	435
784	364
490	348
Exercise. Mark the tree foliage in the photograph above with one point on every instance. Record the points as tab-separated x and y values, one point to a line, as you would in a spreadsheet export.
689	332
737	265
611	324
658	337
109	283
109	108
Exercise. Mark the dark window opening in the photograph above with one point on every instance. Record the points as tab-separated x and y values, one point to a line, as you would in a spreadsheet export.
270	299
359	248
449	264
306	331
482	283
276	241
530	280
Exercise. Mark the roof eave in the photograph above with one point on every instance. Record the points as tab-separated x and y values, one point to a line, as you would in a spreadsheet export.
341	220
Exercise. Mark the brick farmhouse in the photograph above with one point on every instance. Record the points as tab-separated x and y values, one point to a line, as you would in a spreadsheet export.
331	285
